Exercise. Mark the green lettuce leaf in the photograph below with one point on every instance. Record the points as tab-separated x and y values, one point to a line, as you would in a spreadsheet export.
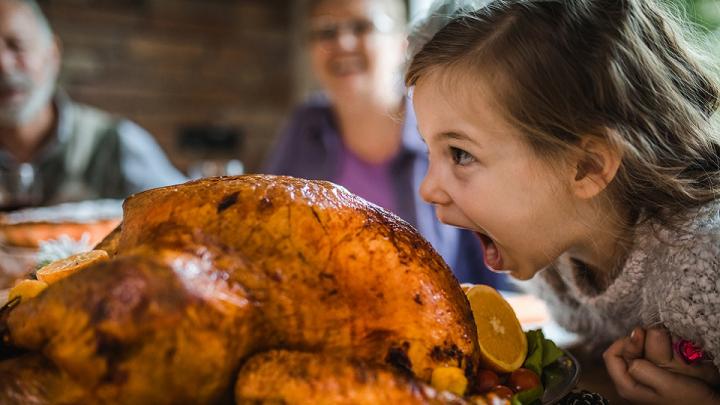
550	352
528	397
534	359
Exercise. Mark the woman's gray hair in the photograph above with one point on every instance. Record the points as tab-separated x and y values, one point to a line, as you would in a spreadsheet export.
441	12
395	10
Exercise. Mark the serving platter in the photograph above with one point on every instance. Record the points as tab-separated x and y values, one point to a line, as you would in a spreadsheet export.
567	375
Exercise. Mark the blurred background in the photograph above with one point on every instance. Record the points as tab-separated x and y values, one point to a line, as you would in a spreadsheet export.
211	79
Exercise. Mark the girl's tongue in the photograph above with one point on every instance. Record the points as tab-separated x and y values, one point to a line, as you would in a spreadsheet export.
493	259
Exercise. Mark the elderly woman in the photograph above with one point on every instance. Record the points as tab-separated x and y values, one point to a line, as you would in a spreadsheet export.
360	131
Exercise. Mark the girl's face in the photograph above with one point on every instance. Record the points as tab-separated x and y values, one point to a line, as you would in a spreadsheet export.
355	47
484	177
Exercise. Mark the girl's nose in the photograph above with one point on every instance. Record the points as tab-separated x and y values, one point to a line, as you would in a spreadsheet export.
431	189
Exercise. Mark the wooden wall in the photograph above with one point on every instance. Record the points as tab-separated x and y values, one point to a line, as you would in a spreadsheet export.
170	63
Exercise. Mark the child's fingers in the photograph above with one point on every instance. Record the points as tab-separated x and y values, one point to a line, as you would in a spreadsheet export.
658	346
625	384
658	349
647	373
669	385
635	345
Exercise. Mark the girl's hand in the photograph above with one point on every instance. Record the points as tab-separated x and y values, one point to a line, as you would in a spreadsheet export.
631	363
659	351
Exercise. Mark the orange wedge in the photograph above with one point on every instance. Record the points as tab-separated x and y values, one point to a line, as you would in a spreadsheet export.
26	289
60	269
502	342
466	286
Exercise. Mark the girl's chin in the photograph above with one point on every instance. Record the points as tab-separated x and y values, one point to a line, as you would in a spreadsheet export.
521	274
517	275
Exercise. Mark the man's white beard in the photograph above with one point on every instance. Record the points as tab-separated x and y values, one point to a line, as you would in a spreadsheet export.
13	116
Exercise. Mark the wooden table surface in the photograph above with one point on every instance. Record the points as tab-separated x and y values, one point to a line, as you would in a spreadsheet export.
594	376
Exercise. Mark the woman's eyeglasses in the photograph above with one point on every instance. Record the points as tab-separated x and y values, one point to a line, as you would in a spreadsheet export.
326	31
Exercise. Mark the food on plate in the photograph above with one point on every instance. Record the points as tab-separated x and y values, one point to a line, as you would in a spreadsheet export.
31	237
26	289
522	385
251	273
485	380
29	226
501	391
450	379
503	345
284	376
60	269
523	379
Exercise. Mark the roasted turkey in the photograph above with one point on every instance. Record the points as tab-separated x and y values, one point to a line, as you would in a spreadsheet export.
250	289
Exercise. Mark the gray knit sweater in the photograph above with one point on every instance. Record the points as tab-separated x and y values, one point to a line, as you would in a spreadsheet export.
670	278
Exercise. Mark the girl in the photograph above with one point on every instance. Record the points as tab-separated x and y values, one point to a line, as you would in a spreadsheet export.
587	128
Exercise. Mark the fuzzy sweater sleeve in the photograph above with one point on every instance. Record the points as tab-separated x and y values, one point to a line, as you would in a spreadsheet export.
688	293
671	278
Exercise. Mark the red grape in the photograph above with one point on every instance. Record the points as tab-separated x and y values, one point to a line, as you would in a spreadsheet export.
523	379
502	391
486	380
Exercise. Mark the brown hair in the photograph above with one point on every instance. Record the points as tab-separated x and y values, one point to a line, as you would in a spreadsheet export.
617	69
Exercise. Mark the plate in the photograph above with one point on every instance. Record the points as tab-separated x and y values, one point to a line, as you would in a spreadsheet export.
28	227
568	373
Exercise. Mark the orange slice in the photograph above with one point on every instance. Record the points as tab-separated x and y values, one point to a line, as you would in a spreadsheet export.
60	269
466	286
26	289
502	342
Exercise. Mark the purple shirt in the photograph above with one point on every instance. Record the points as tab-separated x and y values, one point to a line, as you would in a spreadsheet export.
372	182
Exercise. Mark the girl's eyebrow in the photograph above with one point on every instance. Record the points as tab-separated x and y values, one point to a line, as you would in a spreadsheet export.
460	136
449	135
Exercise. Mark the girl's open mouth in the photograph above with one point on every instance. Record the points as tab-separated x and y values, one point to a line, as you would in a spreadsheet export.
493	258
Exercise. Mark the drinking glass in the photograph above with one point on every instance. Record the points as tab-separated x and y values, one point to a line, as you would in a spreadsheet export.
19	187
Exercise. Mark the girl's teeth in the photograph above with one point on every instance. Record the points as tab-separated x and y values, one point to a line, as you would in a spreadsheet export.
492	253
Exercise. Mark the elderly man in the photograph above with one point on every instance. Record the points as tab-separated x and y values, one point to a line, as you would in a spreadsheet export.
69	152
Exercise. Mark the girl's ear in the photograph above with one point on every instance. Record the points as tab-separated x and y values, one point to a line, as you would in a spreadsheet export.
595	167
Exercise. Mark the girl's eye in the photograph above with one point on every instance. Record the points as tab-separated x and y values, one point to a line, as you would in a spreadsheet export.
460	157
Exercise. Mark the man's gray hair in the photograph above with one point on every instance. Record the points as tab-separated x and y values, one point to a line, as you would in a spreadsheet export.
39	15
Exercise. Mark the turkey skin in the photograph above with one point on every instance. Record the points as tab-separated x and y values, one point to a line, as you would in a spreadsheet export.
212	283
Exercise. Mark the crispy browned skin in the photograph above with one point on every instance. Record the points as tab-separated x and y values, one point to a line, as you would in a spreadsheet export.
31	380
209	273
111	241
315	379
